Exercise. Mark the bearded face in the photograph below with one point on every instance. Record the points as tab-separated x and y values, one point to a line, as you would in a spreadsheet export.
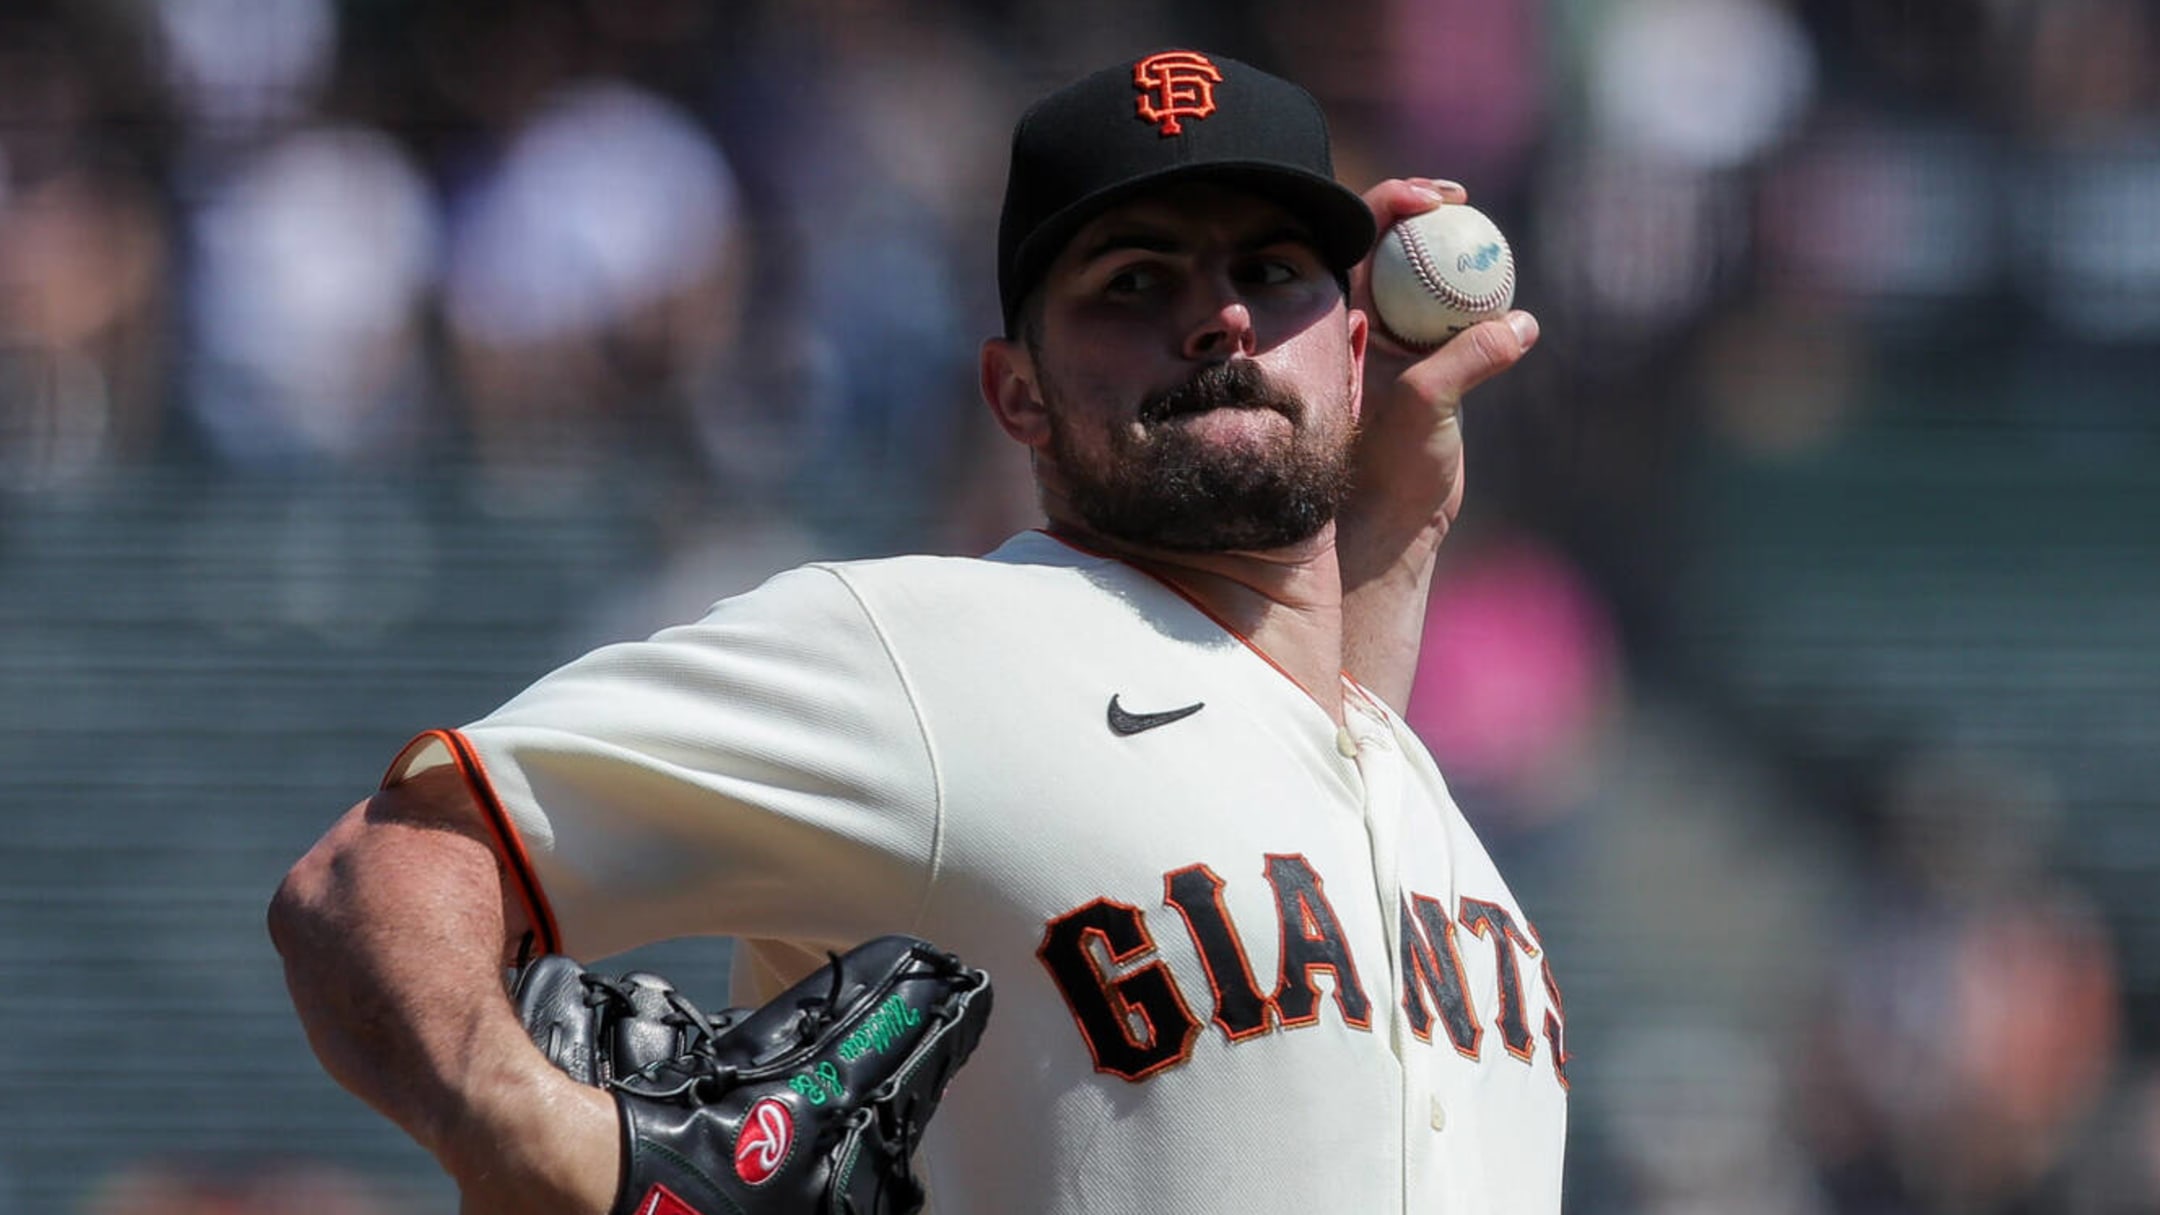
1167	483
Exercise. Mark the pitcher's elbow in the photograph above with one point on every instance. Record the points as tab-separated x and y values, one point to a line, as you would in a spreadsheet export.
292	906
301	906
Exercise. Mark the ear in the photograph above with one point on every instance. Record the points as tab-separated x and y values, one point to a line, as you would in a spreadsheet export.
1009	388
1360	335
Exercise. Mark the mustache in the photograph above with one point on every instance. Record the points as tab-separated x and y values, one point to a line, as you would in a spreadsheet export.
1237	384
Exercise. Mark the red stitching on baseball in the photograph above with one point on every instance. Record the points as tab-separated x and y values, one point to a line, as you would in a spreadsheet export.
1446	293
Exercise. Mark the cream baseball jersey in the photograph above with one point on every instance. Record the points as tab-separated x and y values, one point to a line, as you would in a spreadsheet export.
1245	960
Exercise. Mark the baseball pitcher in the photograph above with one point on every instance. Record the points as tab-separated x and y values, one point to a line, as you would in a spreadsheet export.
1141	772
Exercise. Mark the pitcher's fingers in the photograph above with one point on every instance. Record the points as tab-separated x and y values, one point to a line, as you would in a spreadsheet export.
1391	201
1449	191
1398	197
1473	356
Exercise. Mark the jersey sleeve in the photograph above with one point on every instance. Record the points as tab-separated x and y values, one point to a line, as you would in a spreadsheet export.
762	772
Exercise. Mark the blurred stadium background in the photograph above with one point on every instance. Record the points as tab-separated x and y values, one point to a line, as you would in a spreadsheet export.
1800	657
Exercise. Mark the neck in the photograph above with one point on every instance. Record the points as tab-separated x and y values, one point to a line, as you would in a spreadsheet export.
1285	602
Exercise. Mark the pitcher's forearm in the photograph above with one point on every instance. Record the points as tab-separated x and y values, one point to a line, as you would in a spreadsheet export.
1384	618
392	931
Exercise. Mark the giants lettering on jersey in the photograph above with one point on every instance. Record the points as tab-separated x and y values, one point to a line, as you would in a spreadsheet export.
1135	1020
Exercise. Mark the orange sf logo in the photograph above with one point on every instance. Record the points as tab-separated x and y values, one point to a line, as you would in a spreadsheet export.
1174	85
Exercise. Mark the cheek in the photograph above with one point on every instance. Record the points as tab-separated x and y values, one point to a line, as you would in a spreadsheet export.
1323	370
1089	396
1112	352
1079	415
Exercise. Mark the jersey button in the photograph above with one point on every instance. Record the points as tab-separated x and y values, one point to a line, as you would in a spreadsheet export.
1439	1115
1344	743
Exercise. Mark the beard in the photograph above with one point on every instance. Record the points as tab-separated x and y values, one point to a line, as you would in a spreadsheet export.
1168	488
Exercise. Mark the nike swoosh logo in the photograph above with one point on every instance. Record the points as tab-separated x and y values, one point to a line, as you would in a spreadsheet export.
1124	722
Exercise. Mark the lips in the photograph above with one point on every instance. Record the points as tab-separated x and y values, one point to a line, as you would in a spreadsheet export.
1233	385
1163	409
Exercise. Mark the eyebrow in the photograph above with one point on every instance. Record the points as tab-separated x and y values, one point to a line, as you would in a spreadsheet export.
1156	240
1118	240
1286	234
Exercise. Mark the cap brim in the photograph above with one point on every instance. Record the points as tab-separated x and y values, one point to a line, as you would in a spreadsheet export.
1341	224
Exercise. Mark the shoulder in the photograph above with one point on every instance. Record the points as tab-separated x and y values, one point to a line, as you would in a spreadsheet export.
1032	591
1028	555
1031	569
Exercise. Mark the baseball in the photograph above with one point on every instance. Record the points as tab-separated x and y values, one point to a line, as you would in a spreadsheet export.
1437	273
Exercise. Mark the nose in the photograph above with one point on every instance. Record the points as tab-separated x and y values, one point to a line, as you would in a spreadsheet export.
1225	330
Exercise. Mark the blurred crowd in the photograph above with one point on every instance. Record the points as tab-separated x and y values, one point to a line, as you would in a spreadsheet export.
722	267
743	249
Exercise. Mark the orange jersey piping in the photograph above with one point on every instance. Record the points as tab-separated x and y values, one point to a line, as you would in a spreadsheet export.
509	845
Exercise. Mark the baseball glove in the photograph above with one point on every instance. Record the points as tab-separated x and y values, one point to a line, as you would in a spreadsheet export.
812	1103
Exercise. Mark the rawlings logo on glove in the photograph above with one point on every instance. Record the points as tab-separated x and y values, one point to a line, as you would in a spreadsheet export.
813	1102
765	1141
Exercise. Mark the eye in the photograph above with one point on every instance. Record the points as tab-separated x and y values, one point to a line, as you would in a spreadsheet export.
1137	279
1272	272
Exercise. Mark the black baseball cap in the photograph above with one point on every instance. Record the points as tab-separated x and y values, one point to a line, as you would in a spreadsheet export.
1171	116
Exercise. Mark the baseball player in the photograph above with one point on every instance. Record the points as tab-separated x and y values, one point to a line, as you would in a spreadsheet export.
1143	765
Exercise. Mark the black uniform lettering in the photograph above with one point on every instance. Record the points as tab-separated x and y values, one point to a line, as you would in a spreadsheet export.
1136	1025
1196	892
1555	1022
1432	968
1492	921
1312	939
